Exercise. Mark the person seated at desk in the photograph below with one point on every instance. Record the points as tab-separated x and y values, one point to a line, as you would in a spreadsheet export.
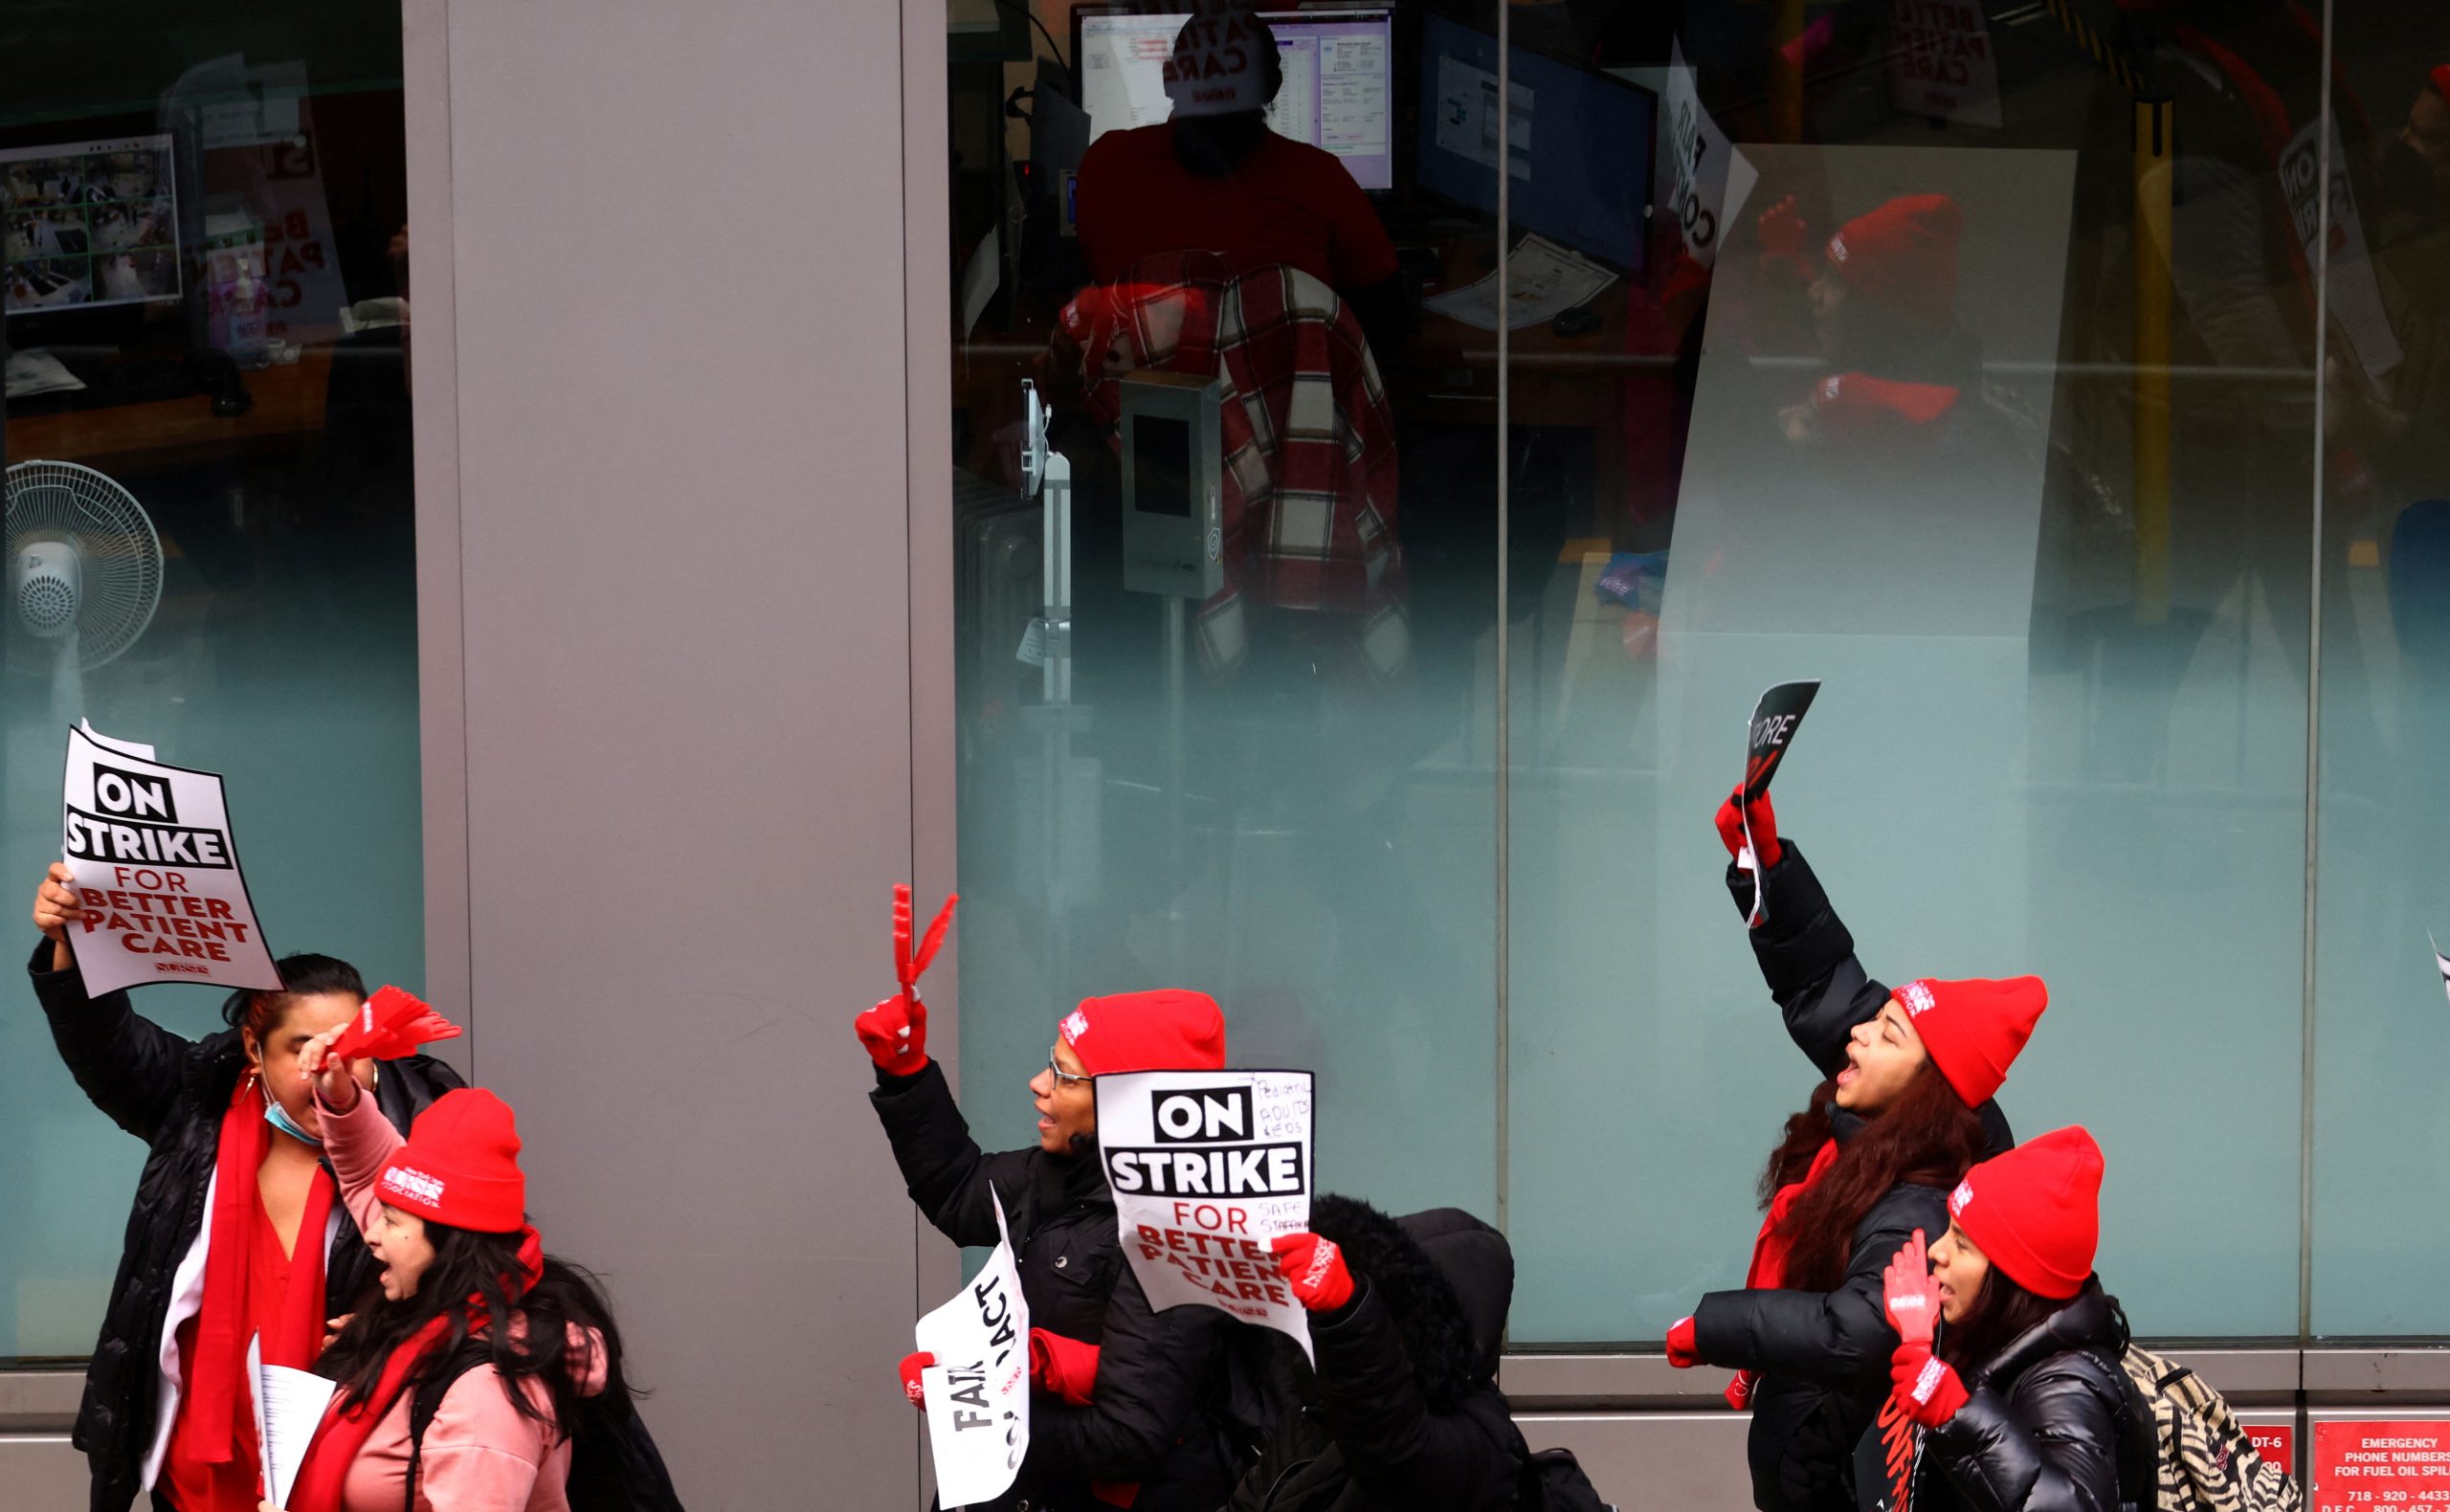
1214	177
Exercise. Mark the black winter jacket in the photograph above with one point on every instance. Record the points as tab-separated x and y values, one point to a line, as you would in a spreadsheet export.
1823	1356
1403	1413
2052	1425
1170	1414
171	1093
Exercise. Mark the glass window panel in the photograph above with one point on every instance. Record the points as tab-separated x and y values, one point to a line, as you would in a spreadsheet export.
206	224
1894	436
2381	1129
1265	772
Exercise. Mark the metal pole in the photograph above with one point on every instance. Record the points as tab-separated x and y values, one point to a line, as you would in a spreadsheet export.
2149	255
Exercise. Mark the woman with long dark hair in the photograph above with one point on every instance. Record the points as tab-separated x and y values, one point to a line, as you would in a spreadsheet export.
2026	1405
467	1296
236	1230
1904	1111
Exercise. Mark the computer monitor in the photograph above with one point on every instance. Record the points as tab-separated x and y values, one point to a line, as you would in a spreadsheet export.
1578	145
89	224
1339	77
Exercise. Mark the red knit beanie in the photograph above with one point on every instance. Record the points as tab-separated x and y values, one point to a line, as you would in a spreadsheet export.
1974	1027
1903	254
1163	1030
461	1165
2036	1212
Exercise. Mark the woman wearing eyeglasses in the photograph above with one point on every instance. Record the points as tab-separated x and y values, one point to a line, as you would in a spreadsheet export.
1128	1407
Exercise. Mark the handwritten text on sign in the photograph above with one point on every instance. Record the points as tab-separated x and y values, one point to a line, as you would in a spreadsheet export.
1206	1167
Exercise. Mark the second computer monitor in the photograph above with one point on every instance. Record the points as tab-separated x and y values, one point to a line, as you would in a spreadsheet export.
1578	145
1339	77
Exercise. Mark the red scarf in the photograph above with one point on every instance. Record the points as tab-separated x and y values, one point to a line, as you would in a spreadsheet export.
346	1426
1770	1250
218	1381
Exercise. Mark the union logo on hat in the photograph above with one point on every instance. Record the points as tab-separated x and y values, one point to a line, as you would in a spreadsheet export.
1916	995
1960	1199
1074	1024
416	1185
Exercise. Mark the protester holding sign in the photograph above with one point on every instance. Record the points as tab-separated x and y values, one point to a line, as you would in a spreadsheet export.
1403	1410
469	1299
2026	1407
273	1254
1129	1396
1906	1110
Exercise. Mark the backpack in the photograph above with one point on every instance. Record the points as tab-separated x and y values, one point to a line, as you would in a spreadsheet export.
615	1465
1553	1481
2207	1463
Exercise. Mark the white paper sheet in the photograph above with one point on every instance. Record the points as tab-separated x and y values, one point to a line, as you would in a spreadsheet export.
289	1405
978	1389
1542	279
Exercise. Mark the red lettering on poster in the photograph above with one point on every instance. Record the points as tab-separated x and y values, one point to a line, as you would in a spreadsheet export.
2372	1466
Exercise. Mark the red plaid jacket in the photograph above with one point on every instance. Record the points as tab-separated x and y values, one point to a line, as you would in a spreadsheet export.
1310	474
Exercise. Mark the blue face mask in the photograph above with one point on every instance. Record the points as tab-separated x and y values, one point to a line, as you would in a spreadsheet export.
278	1118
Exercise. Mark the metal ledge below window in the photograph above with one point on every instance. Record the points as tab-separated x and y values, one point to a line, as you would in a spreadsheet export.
2248	1376
40	1401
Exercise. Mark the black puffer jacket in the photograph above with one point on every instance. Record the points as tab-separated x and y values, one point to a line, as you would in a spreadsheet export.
171	1093
1170	1412
1823	1356
2052	1425
1403	1413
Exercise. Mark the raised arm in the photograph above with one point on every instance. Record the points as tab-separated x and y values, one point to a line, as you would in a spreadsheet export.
358	1139
946	1172
126	1065
1805	952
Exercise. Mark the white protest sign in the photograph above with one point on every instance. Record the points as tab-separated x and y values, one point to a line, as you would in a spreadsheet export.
156	868
1941	63
1206	1168
2356	297
978	1389
1708	179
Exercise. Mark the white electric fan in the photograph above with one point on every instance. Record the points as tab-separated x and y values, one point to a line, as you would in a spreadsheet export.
84	573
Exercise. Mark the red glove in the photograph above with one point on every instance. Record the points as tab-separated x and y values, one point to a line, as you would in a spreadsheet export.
895	1032
1683	1349
908	966
1911	1294
1314	1268
895	1035
911	1366
391	1026
1782	228
1926	1384
1064	1367
1765	830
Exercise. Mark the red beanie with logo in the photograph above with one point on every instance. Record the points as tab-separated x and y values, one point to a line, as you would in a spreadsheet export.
1974	1027
2036	1212
461	1165
1170	1029
1903	254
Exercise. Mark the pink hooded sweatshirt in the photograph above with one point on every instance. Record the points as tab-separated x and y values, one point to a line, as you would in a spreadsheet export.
479	1453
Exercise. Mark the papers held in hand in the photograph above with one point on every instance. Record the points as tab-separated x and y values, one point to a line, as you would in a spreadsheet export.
289	1405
